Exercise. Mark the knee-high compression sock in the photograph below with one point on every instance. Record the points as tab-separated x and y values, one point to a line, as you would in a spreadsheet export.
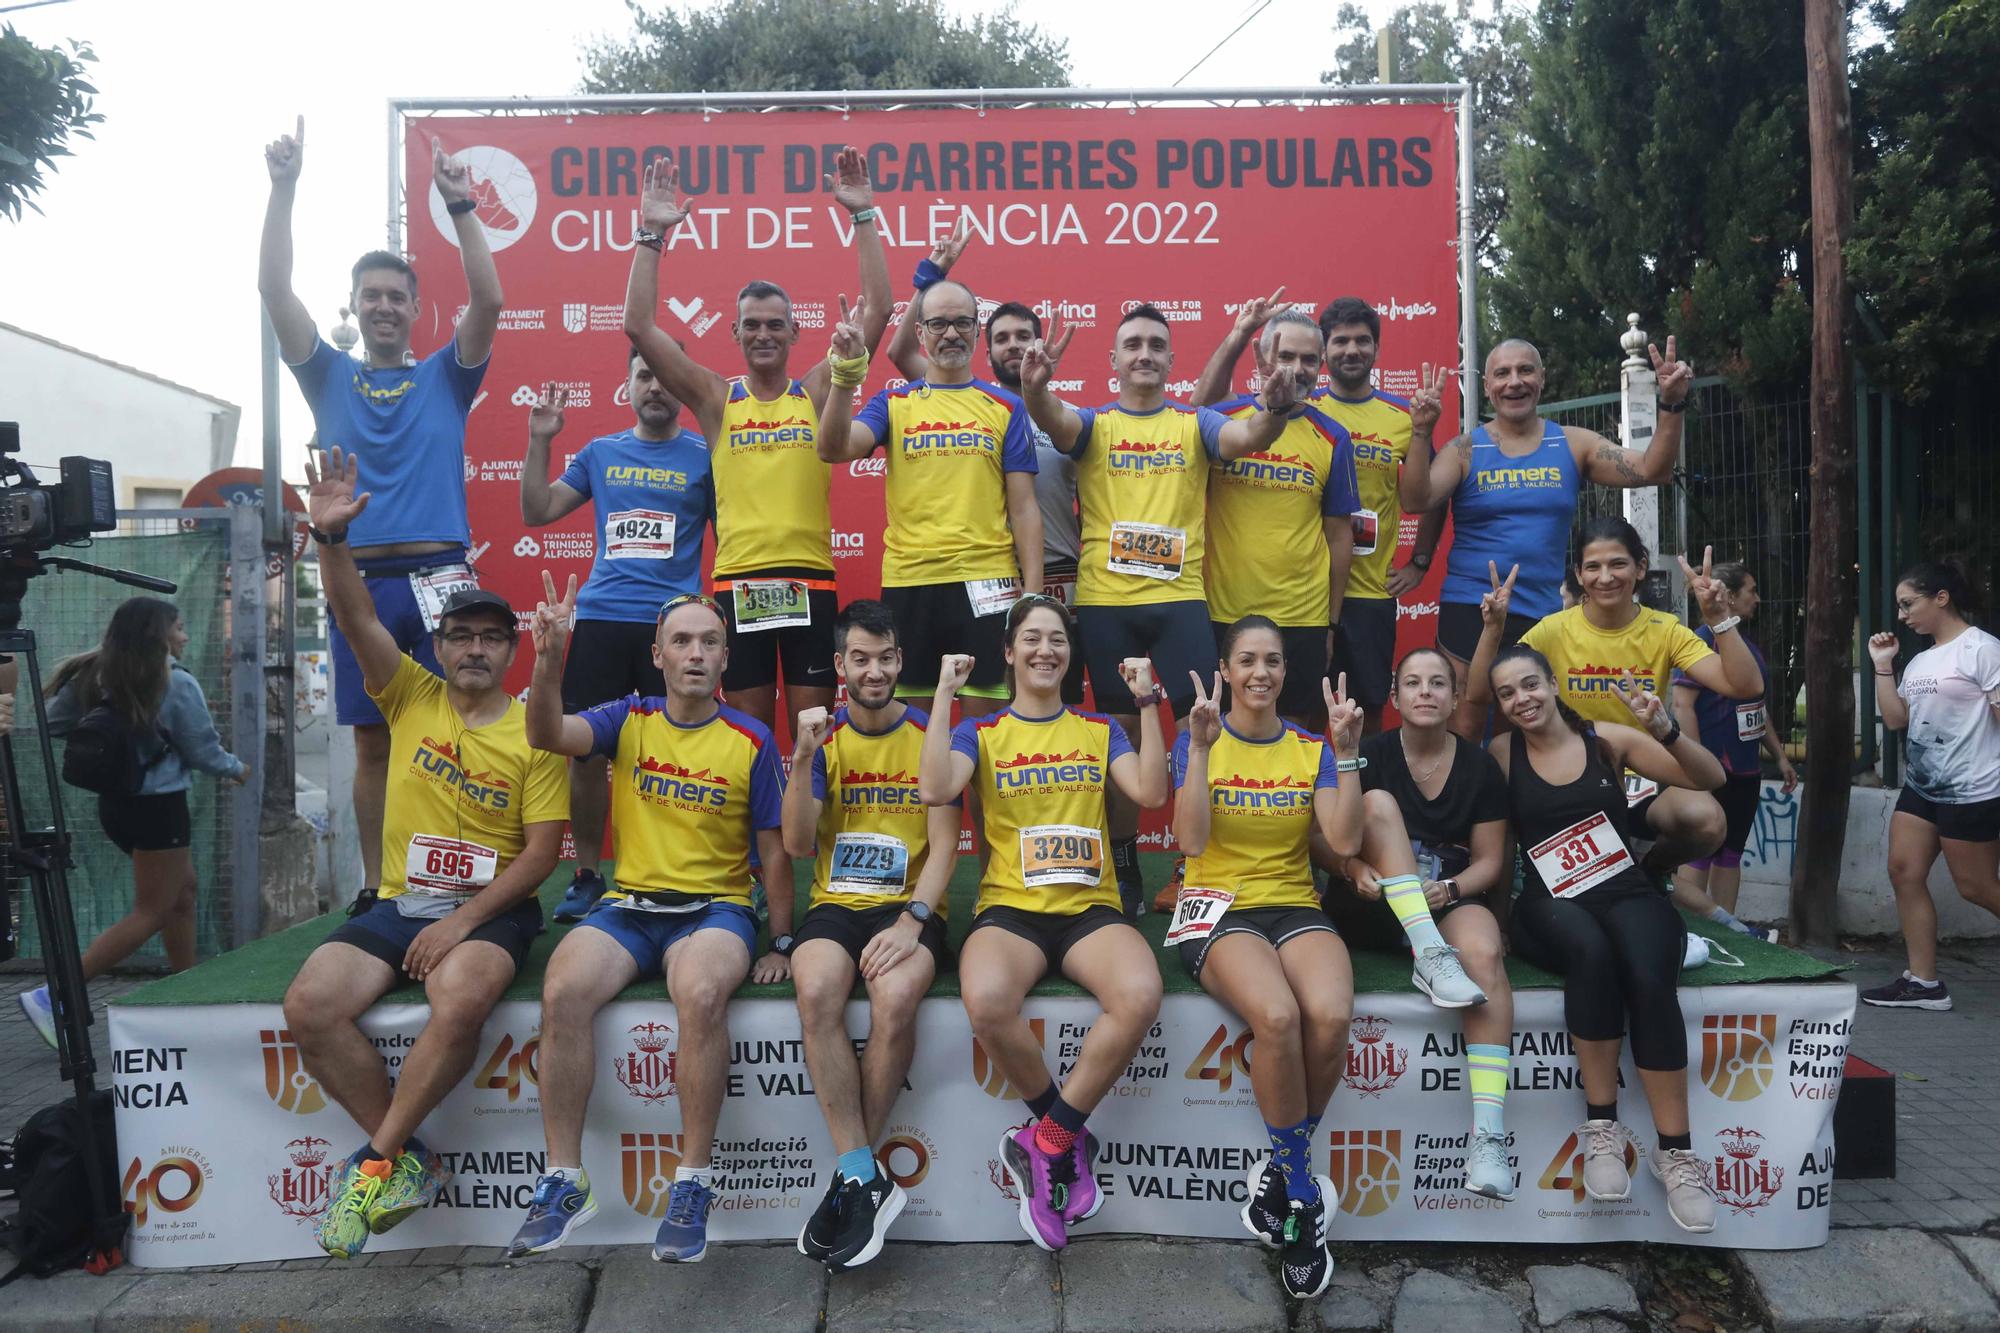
1291	1150
1486	1072
1405	896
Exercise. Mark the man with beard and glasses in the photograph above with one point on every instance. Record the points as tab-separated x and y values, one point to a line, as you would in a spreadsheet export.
653	496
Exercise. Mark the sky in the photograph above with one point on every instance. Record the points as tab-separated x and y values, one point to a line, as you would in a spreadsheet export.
146	248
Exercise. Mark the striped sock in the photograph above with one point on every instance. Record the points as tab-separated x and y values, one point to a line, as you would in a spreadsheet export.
1405	896
1486	1071
1291	1151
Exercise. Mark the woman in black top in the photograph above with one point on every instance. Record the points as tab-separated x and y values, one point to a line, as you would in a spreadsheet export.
1589	912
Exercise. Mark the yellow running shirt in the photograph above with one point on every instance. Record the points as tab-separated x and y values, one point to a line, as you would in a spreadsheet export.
873	826
684	801
1379	426
771	508
949	449
1142	486
1040	786
1587	660
1266	520
1260	810
458	796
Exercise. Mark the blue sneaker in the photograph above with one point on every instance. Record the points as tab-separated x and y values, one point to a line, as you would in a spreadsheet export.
585	888
559	1206
41	1011
683	1234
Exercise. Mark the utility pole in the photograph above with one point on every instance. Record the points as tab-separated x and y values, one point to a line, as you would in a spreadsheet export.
1830	602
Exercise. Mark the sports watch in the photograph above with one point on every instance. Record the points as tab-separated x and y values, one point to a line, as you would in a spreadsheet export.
781	945
921	911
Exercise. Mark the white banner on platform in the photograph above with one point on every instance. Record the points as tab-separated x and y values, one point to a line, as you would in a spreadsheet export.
226	1145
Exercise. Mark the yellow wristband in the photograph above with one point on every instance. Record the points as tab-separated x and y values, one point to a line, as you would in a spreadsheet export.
848	372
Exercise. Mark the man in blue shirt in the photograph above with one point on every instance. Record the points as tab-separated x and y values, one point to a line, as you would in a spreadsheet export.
653	494
404	420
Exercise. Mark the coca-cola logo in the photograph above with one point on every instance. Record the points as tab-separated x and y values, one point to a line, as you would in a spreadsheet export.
875	466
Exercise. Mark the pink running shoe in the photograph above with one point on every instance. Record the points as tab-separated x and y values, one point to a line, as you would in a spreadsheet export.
1085	1199
1043	1182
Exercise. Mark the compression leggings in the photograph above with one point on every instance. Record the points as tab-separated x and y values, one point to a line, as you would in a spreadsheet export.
1617	956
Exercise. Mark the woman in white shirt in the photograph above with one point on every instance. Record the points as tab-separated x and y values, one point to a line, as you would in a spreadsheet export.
1948	706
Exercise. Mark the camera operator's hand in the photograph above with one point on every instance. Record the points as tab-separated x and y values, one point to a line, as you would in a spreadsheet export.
6	714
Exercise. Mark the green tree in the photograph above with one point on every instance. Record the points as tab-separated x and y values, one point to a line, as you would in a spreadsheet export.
797	45
44	101
1924	249
1661	167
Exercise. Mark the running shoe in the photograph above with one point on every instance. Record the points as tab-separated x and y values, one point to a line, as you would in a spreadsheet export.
417	1177
1439	975
1266	1212
1486	1168
1085	1199
1605	1177
1306	1265
1166	899
558	1207
343	1228
867	1209
1132	890
822	1230
1042	1182
683	1234
1690	1198
1905	992
585	888
37	1008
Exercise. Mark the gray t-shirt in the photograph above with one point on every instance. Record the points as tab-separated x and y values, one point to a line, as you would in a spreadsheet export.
1055	491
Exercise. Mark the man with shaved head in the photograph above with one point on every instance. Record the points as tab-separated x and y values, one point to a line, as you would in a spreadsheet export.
1513	486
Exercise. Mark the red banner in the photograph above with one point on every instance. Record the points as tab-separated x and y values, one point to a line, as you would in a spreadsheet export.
1079	212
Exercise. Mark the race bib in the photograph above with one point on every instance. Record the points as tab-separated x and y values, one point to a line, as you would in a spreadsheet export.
1061	854
771	604
1750	721
1638	789
992	597
1581	857
639	534
441	873
1197	913
871	863
1148	550
1062	587
433	588
1367	524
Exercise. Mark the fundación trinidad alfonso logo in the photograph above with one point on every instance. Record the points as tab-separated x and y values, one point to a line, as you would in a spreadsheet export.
510	1065
503	196
647	1070
300	1189
1374	1062
1223	1057
1565	1168
1367	1166
1743	1177
1737	1056
987	1074
170	1185
286	1081
646	1166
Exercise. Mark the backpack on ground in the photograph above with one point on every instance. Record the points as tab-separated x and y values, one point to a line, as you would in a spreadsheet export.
105	753
52	1231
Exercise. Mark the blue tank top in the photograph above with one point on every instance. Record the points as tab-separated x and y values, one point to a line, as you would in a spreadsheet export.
1724	722
1513	511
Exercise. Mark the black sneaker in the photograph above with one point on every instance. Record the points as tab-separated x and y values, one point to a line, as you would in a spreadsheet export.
585	888
1905	992
1268	1208
822	1230
867	1208
363	901
1306	1264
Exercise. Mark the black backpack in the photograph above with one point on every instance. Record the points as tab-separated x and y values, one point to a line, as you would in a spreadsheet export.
105	753
53	1227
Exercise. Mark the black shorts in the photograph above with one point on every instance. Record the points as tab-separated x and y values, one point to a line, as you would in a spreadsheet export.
807	649
609	659
1373	925
1276	924
935	619
385	933
1977	821
1305	664
1174	635
1056	933
1739	798
1065	570
1365	648
852	927
1459	626
145	823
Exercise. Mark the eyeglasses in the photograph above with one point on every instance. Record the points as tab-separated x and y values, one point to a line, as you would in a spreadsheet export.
963	324
688	599
492	638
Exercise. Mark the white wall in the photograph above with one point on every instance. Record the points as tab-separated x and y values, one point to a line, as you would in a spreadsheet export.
153	433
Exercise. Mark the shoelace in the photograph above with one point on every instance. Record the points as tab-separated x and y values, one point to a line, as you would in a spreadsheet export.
1489	1151
361	1191
1679	1167
546	1190
685	1202
1443	960
1607	1139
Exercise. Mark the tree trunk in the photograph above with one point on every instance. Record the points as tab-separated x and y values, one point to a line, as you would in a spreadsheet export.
1830	576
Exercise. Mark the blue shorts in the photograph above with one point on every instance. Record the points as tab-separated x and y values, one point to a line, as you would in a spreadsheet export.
388	583
648	935
385	933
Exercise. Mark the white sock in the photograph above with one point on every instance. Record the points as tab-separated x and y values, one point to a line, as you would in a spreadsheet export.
697	1175
573	1174
1921	981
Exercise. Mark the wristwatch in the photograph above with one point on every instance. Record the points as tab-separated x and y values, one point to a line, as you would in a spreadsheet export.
328	538
1420	559
1450	886
460	206
1151	699
921	911
645	236
781	945
1679	407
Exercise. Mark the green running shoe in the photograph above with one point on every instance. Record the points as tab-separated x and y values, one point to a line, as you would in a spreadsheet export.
416	1178
343	1227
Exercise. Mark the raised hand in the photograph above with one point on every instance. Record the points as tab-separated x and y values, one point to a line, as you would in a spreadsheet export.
453	177
1137	673
331	503
1343	717
1676	377
661	207
1042	357
1707	589
811	729
285	155
545	418
946	249
1644	705
1257	311
1427	403
848	341
1282	390
954	669
849	183
1205	718
1882	650
1493	605
553	617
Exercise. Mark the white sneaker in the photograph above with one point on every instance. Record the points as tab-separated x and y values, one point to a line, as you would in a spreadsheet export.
1486	1169
1690	1198
35	1005
1439	975
1605	1178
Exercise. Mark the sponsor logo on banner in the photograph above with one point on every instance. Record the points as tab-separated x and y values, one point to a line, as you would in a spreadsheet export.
502	193
1564	1173
156	1192
1393	310
511	1065
875	465
1177	312
149	1077
300	1188
1437	1174
1743	1177
1081	314
471	470
1177	1172
647	1069
576	316
996	1172
1374	1062
1150	1065
286	1081
520	321
849	545
1737	1057
987	1074
1223	1056
1816	1057
1366	1165
622	395
906	1157
646	1166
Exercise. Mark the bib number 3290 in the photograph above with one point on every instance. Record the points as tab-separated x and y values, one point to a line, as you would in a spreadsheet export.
1061	854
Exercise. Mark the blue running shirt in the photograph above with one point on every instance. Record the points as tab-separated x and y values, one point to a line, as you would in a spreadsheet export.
1513	511
652	500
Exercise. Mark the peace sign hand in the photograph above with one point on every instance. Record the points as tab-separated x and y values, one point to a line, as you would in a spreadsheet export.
1493	605
285	155
946	249
1343	718
1205	718
331	503
553	617
1257	311
1676	377
1707	589
1041	359
1645	705
453	177
1427	403
848	341
661	207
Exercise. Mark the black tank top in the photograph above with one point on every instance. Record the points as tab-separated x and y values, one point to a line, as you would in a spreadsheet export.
1541	810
